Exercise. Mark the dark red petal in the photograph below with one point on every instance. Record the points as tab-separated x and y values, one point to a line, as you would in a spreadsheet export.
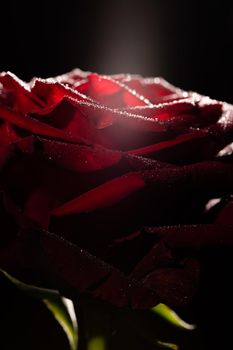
161	184
103	196
194	237
34	126
176	286
155	89
73	269
110	92
7	133
225	217
39	205
167	110
105	117
167	144
52	92
158	256
7	151
103	86
21	99
79	158
5	154
176	115
140	163
72	77
224	127
67	116
133	98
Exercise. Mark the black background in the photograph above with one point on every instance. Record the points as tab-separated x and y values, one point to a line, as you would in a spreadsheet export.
189	43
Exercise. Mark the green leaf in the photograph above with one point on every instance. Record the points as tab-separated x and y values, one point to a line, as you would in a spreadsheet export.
61	308
165	345
171	316
96	343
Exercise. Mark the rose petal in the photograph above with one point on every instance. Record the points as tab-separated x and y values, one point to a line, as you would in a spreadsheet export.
103	196
79	158
108	91
34	126
167	144
21	99
225	217
7	133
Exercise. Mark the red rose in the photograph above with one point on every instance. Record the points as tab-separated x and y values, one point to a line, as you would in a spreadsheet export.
109	184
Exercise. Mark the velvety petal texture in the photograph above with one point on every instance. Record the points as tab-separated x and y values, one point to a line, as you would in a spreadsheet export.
113	185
